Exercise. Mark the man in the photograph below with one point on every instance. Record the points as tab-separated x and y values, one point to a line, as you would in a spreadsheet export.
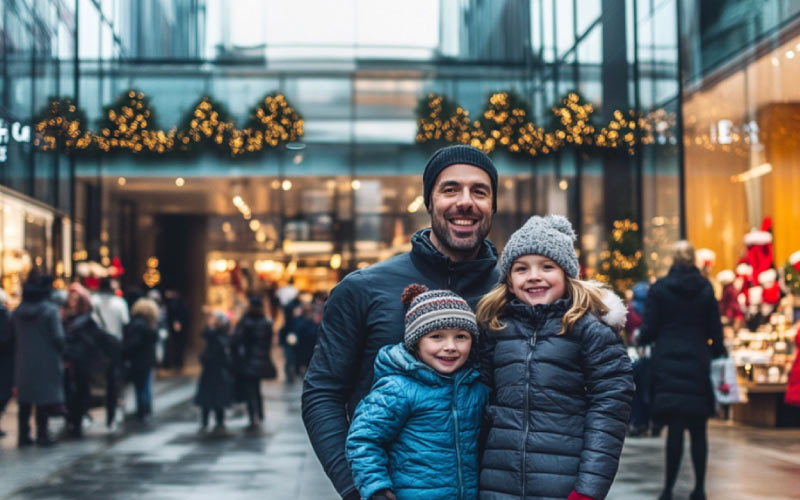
111	314
364	312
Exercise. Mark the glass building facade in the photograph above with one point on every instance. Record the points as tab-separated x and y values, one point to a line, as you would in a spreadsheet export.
37	44
347	195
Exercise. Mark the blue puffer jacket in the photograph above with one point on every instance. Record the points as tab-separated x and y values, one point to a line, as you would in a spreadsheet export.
416	432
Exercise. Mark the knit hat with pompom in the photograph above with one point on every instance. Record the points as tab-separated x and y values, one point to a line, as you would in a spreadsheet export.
551	236
430	310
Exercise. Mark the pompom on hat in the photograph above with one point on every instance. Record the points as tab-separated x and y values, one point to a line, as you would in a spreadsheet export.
551	236
430	310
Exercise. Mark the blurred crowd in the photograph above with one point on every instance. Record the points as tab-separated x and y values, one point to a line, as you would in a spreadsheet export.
65	351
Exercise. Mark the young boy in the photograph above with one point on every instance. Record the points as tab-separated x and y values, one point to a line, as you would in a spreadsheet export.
415	435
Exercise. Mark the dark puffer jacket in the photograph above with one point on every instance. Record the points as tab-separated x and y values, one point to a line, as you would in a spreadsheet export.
363	314
416	432
560	405
681	317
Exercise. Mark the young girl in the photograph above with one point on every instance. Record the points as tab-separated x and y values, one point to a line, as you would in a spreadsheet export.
561	379
415	435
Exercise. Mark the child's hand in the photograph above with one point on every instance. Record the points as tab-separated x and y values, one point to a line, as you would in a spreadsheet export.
383	495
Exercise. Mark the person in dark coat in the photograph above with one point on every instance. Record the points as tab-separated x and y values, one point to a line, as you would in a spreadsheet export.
178	326
139	350
561	378
215	386
682	319
6	356
306	330
38	368
363	312
82	356
253	332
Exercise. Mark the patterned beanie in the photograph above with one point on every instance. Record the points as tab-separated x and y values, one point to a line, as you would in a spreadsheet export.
551	236
435	310
452	155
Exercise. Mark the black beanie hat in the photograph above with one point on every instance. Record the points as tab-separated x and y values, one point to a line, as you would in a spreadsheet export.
452	155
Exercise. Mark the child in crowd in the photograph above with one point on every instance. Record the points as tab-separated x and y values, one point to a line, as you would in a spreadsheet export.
560	376
415	435
215	387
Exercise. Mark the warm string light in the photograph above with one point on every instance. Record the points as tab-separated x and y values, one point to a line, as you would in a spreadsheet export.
129	125
505	124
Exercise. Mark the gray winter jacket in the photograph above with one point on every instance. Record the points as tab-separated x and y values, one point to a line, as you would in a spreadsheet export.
559	407
363	314
39	346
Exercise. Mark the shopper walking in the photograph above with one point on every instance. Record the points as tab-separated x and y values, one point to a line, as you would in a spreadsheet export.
215	386
111	314
252	333
39	370
561	377
682	320
363	314
177	325
82	356
139	350
6	356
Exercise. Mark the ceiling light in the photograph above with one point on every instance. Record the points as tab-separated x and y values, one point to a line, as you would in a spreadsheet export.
180	182
286	185
122	181
356	184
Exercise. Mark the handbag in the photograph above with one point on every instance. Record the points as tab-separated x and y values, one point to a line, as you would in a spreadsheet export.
725	383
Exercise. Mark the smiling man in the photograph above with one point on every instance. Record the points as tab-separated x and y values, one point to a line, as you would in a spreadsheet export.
364	312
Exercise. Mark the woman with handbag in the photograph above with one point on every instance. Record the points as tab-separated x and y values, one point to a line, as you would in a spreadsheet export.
682	319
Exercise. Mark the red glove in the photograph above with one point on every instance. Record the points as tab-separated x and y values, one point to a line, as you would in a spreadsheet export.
577	496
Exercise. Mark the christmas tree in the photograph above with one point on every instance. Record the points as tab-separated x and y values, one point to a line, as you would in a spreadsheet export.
622	264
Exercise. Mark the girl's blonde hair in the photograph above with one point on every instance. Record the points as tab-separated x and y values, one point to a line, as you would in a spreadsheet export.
148	309
586	297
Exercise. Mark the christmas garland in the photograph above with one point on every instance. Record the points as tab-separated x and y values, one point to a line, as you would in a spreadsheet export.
129	125
505	124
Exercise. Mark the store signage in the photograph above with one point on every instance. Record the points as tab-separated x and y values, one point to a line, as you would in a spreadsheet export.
724	131
12	131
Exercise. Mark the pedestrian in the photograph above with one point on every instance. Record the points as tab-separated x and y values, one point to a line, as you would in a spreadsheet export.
252	333
82	356
306	329
39	370
111	314
415	435
363	314
215	386
6	356
682	320
561	377
163	335
289	338
642	369
139	350
178	326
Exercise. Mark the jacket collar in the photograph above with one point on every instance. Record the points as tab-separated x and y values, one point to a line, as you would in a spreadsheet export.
395	359
539	312
477	274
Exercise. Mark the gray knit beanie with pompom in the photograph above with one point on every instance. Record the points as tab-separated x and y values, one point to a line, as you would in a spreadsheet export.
551	236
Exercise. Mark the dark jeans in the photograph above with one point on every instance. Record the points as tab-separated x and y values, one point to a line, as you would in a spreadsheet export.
144	395
78	398
219	416
677	425
112	394
25	410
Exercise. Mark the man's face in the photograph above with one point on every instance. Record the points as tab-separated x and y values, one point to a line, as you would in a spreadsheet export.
461	210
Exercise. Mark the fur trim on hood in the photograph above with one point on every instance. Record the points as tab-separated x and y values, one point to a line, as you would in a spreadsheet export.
617	313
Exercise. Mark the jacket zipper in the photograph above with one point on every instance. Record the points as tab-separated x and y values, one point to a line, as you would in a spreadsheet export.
454	407
526	416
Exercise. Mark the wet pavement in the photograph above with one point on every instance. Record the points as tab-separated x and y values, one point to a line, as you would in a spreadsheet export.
171	460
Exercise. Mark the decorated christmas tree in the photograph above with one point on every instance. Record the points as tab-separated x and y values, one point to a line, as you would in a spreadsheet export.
791	273
622	264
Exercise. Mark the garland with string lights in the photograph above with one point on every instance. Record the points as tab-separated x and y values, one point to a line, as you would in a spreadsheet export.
622	265
60	126
504	123
129	125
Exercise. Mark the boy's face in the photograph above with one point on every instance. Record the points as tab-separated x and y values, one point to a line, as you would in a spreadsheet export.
445	350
